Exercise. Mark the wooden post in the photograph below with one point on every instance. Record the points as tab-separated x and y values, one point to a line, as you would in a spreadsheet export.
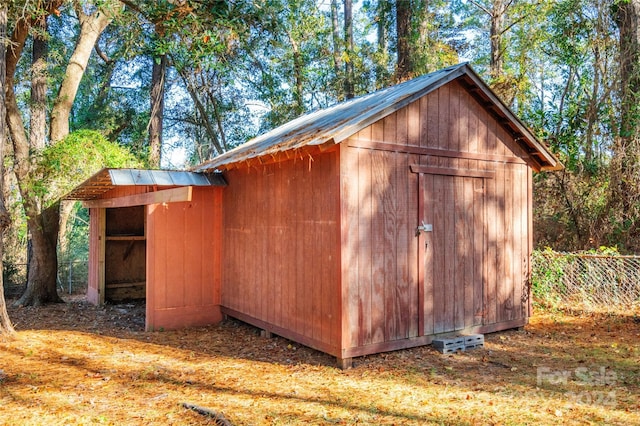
344	363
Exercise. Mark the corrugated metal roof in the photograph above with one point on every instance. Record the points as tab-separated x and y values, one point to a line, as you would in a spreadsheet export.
342	120
107	179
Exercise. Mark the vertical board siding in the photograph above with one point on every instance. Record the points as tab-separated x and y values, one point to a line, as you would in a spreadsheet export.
379	247
529	238
389	226
409	221
301	314
173	230
406	287
472	269
363	247
158	244
280	235
479	225
463	233
350	259
450	206
495	207
519	252
502	247
255	271
383	240
432	258
183	261
510	248
439	265
448	244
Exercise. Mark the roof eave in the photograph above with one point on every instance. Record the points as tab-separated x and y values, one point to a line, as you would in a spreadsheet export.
548	161
106	179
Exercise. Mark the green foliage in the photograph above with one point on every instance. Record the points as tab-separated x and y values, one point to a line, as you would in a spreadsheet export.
64	165
574	108
599	278
546	276
434	36
12	274
77	236
604	251
548	272
291	67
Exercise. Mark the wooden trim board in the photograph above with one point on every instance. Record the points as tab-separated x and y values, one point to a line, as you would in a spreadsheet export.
411	149
418	168
173	195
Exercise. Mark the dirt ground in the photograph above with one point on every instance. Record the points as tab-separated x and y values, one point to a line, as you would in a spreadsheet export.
76	364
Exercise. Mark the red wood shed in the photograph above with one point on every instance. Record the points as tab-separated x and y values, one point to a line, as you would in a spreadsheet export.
155	235
374	225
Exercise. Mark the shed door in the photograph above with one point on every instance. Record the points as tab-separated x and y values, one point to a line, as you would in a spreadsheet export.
451	255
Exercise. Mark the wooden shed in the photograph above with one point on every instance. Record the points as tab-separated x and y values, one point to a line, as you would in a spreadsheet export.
373	225
155	235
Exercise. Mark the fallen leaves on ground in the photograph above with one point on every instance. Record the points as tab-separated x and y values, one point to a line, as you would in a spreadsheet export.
75	363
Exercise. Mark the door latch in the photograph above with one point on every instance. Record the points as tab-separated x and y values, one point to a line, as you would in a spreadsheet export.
425	227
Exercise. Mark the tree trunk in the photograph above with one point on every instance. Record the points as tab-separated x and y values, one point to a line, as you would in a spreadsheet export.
158	74
381	27
298	68
43	224
504	88
36	286
349	89
404	66
204	115
496	31
627	17
6	328
337	46
335	31
38	113
218	117
91	26
43	263
38	106
383	11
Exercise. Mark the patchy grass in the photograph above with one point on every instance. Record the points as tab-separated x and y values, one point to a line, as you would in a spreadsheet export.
78	364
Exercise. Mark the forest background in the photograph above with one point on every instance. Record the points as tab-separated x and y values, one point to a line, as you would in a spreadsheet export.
172	83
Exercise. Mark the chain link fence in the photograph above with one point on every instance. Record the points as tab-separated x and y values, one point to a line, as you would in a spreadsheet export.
72	278
603	281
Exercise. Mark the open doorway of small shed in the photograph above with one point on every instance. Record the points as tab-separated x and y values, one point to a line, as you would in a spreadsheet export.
125	254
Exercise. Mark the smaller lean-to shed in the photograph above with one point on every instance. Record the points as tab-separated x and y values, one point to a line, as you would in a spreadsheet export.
155	235
383	221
